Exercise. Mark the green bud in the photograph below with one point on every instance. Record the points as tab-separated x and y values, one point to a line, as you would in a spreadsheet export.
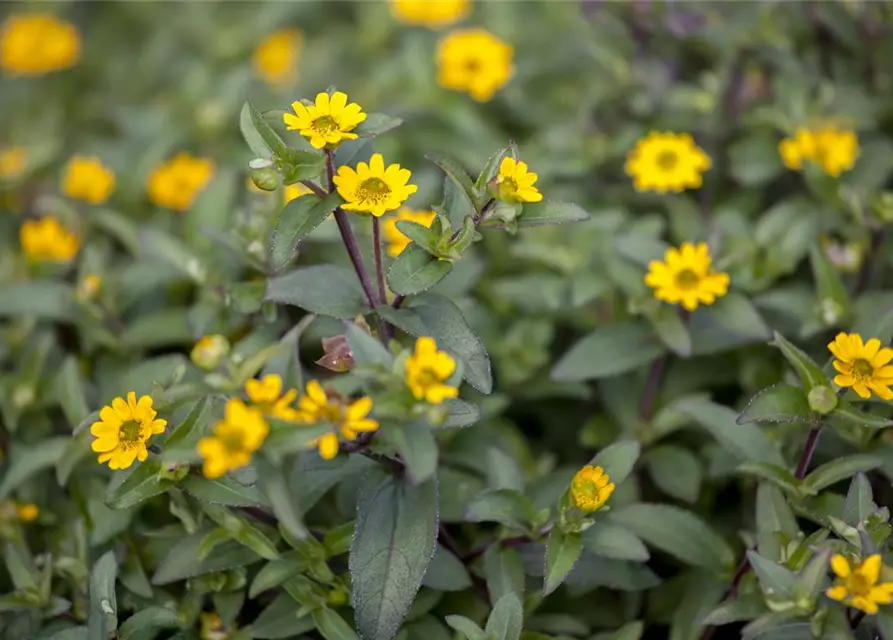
209	351
265	179
175	472
337	598
822	399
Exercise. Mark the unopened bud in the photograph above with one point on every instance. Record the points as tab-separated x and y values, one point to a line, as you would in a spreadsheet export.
209	351
88	287
266	179
337	354
337	598
822	399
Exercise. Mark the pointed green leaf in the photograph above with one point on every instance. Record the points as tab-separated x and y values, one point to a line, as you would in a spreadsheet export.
506	619
366	349
847	414
617	459
417	448
562	552
859	503
376	124
154	618
774	578
537	214
332	626
774	516
780	403
325	289
609	351
298	218
416	270
446	572
103	616
810	373
839	469
143	483
224	491
272	482
42	299
466	627
264	131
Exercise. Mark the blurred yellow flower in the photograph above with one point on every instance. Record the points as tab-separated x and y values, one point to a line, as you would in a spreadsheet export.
177	182
212	627
433	14
664	161
209	351
326	123
860	586
13	161
46	239
864	367
266	394
295	190
241	432
591	488
834	150
315	407
427	369
685	277
373	189
395	238
514	183
37	44
123	430
276	57
27	512
86	178
88	287
474	61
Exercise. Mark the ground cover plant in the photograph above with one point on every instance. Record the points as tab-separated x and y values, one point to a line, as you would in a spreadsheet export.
447	319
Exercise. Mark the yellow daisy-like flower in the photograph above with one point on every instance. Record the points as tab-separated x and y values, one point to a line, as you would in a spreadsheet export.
296	190
37	44
864	367
426	369
326	123
373	189
27	512
13	161
123	430
395	238
209	351
348	419
664	161
860	586
176	183
46	239
591	488
276	58
433	14
266	394
86	178
234	439
89	287
474	61
685	277
835	150
514	183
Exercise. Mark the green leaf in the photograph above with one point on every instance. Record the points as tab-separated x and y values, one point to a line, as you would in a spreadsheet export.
779	403
264	132
42	299
504	572
285	362
273	483
675	471
255	141
31	459
297	165
776	474
279	620
162	246
446	572
680	533
394	540
224	491
461	414
366	350
562	552
846	413
754	160
538	214
458	176
416	270
506	619
424	237
884	621
511	508
103	617
20	567
143	483
813	578
417	448
839	469
332	626
832	294
773	517
466	627
189	431
298	218
618	459
257	541
739	610
609	351
182	559
730	323
70	392
275	573
325	289
149	618
490	171
810	373
608	540
859	505
774	578
671	330
159	328
376	124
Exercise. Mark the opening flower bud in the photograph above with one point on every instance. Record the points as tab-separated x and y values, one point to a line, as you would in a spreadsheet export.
822	399
209	351
266	179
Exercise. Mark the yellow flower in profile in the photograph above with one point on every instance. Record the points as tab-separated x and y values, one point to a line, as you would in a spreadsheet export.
591	488
47	240
89	287
37	44
474	61
315	407
685	277
427	369
665	161
176	183
13	161
864	367
833	149
395	238
860	586
514	183
433	14
86	178
234	439
373	189
326	123
296	190
123	430
276	57
27	512
209	351
266	394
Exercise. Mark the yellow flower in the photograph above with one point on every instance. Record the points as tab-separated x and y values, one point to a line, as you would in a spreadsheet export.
395	238
373	189
326	123
241	432
209	351
86	178
349	419
433	14
859	586
47	239
834	150
864	367
266	394
426	370
276	58
123	430
514	183
295	190
213	628
13	161
176	183
474	61
89	286
685	277
27	512
664	161
591	488
37	44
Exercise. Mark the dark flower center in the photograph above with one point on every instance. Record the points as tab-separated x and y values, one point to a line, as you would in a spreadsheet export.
129	433
325	124
374	189
863	368
667	160
687	279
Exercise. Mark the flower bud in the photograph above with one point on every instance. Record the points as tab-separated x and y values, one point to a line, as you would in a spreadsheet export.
89	287
337	355
337	598
209	351
265	179
822	399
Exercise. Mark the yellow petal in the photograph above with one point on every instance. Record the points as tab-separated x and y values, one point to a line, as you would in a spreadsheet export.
840	566
837	592
871	568
328	446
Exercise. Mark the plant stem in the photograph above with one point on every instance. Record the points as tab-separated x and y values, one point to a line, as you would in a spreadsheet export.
864	277
398	301
652	385
808	449
387	331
